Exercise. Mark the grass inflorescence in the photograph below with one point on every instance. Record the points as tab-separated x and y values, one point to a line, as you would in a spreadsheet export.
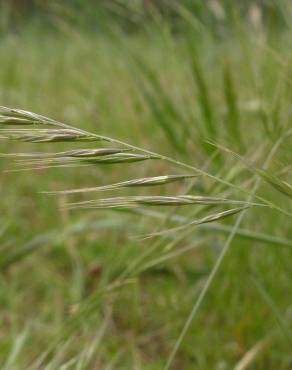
185	126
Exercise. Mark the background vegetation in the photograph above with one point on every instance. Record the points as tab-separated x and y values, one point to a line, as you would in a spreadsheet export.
83	289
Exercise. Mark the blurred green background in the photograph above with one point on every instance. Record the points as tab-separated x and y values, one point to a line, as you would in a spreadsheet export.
81	289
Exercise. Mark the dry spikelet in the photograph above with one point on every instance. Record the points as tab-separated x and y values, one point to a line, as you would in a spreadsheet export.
141	182
47	135
40	164
136	201
207	219
78	153
32	117
15	121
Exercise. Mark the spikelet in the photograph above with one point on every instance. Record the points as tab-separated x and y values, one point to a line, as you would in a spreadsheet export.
154	200
141	182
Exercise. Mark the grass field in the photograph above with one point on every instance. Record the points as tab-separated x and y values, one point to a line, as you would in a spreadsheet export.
83	289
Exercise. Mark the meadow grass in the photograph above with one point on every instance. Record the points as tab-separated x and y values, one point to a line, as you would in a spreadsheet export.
118	288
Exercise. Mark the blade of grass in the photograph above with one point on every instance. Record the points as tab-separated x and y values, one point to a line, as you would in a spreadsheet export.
233	115
271	304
